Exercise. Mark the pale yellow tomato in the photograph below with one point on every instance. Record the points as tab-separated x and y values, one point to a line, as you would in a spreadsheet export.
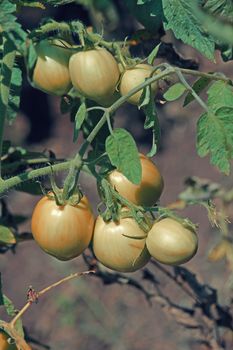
51	72
4	343
171	243
94	73
62	231
147	192
131	78
120	245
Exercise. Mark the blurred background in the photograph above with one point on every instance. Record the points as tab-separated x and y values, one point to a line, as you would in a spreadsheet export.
86	314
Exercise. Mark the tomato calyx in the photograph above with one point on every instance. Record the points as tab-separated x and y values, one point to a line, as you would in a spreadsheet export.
117	207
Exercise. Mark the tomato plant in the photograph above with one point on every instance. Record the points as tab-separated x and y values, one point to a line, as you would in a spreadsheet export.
91	71
147	192
51	73
62	231
171	243
120	245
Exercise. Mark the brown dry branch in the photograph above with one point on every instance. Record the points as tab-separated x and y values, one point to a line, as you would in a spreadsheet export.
205	316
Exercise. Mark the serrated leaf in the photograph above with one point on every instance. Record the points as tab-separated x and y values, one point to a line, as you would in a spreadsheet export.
199	85
174	92
220	94
14	97
152	56
215	137
182	20
9	24
79	119
222	8
123	154
6	236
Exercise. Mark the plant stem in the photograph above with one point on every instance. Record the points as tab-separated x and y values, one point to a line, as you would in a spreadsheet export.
215	76
29	175
45	290
189	88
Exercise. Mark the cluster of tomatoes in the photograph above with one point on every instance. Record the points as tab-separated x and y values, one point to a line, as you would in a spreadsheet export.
94	73
65	231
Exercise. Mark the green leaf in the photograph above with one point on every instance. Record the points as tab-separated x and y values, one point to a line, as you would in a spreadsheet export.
182	20
215	137
6	236
11	311
174	92
123	154
79	119
9	24
14	97
149	13
199	85
222	8
30	3
152	122
152	56
220	94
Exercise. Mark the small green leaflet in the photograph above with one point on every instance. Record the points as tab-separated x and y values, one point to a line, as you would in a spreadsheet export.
10	309
220	94
215	137
30	3
147	104
79	119
174	92
222	8
14	97
123	154
6	236
152	56
199	85
182	20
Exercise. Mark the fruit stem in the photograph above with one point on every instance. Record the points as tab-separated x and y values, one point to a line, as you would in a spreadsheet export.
45	290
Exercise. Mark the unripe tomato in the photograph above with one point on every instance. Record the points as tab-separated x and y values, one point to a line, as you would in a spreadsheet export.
171	243
116	251
94	73
51	72
4	345
131	78
147	192
62	231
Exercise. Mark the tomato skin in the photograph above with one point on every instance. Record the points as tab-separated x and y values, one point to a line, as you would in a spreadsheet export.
62	231
116	251
133	77
147	192
4	345
171	243
94	73
51	72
